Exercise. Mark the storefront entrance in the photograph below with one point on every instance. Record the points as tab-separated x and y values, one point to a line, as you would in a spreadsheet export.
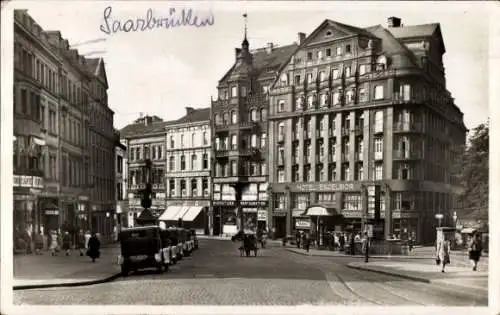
279	223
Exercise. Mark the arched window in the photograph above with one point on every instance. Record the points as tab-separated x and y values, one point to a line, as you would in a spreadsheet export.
253	115
183	162
234	118
194	187
193	162
193	140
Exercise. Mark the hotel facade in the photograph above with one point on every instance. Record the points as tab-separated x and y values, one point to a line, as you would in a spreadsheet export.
357	108
60	98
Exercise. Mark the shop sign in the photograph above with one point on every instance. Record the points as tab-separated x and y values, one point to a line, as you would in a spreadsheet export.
249	210
83	198
327	187
27	181
51	212
305	224
262	215
352	213
253	203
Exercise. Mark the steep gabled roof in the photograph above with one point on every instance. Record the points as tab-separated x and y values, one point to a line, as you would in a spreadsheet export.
418	31
390	44
264	61
97	68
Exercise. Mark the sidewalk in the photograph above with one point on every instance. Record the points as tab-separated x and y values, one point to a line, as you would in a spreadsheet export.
40	271
453	276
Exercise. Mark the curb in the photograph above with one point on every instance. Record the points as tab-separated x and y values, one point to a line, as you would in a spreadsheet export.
344	256
69	284
389	273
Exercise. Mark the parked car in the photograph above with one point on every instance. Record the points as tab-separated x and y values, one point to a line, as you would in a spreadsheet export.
142	248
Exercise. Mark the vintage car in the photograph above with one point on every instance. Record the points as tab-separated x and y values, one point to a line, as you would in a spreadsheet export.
178	241
142	248
168	249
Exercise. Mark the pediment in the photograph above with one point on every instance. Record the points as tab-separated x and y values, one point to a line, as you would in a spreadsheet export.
328	32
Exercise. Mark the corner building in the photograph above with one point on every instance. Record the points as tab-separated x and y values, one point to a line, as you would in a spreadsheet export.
358	107
239	124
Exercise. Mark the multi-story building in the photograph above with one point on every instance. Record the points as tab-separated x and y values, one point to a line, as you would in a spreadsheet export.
56	92
144	139
239	124
121	182
188	152
354	108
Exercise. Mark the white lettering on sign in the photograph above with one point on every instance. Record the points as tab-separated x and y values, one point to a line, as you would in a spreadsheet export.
326	187
303	224
27	181
262	215
51	212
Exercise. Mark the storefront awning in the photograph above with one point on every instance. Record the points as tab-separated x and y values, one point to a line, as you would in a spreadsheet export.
169	213
319	211
192	213
39	141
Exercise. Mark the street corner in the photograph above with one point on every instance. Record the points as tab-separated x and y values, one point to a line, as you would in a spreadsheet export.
386	269
28	284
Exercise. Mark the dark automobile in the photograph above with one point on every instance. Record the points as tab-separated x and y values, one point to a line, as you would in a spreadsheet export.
142	248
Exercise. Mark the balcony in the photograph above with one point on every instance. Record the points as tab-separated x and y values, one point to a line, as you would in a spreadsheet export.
398	98
221	153
378	156
407	127
377	129
249	125
406	155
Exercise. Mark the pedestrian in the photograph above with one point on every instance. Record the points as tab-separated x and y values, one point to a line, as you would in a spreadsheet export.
297	238
53	243
342	242
410	244
365	245
443	252
87	238
66	242
352	244
475	249
38	243
93	247
307	242
81	242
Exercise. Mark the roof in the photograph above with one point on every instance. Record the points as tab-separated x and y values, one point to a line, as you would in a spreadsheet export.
423	30
197	114
264	62
350	28
390	44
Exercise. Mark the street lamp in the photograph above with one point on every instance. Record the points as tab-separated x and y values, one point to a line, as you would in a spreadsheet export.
439	216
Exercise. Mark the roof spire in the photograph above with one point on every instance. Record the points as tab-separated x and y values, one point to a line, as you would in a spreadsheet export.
245	44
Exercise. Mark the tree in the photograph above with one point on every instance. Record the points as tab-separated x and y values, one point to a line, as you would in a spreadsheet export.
474	172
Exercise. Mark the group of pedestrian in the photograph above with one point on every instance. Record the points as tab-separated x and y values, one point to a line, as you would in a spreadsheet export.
443	248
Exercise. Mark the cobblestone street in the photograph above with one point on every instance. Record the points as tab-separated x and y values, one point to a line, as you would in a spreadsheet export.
216	274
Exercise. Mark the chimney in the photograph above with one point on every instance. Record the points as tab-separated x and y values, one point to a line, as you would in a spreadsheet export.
393	22
237	52
269	48
302	37
189	110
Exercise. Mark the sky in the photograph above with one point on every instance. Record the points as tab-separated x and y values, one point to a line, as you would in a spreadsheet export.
162	71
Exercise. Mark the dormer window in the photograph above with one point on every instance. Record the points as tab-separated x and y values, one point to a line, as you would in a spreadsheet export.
284	79
348	48
309	56
381	63
281	106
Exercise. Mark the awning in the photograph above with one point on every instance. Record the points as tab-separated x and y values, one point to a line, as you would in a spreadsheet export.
467	230
319	211
182	211
192	213
169	213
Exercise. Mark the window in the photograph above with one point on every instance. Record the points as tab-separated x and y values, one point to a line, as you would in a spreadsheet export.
234	143
322	76
336	98
205	138
362	69
24	101
193	162
284	79
327	197
328	52
154	153
281	106
234	168
299	102
352	202
204	187
309	78
182	141
243	91
405	91
193	140
359	172
234	91
347	71
362	95
350	96
183	187
339	51
172	142
281	131
324	100
379	121
346	174
297	79
183	163
217	144
263	140
378	172
379	92
205	161
378	147
253	115
234	118
281	176
335	73
171	163
320	54
160	151
309	56
280	201
301	201
281	155
263	169
217	119
310	101
263	114
253	141
348	48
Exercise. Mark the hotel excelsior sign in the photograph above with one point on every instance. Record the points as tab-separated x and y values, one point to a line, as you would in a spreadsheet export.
327	187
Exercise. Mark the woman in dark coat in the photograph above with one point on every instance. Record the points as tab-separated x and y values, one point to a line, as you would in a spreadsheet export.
475	249
66	243
93	247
